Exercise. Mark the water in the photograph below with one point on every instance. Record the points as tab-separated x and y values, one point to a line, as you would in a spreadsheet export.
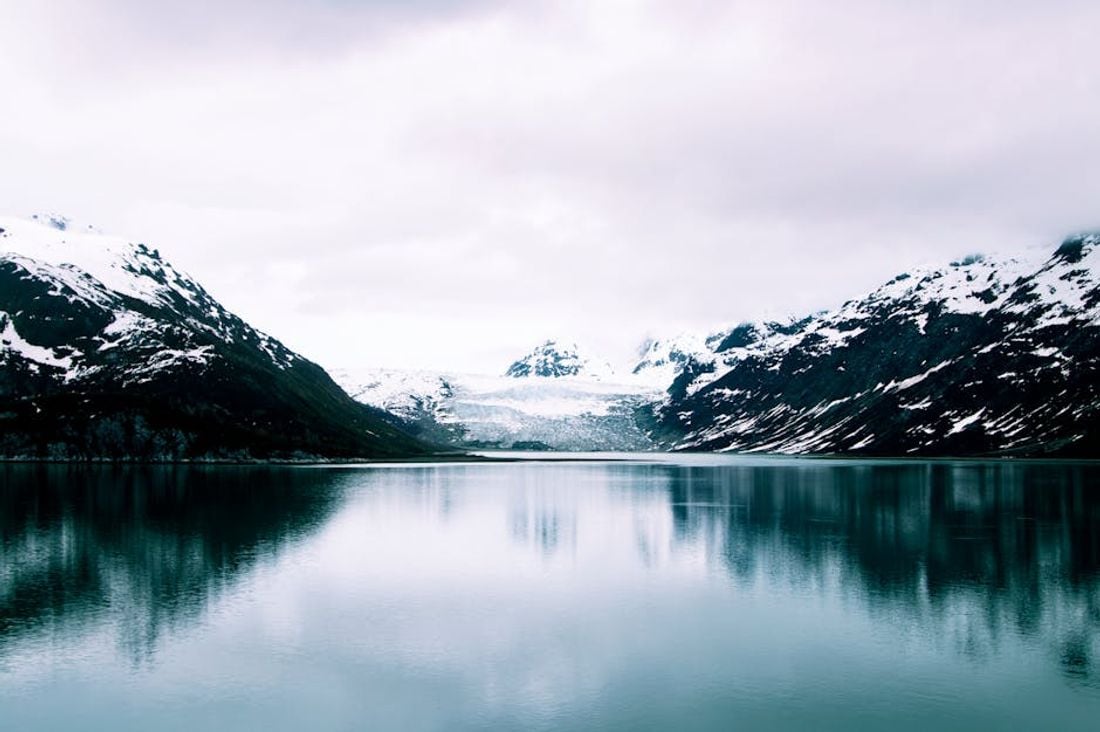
709	593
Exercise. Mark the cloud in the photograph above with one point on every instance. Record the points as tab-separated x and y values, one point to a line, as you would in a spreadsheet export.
444	184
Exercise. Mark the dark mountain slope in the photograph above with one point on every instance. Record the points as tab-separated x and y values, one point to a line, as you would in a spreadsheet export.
981	357
106	351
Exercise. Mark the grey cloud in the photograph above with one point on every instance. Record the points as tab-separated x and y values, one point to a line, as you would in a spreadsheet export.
417	174
129	37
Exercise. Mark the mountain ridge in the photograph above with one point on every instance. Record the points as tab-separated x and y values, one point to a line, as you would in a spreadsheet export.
107	351
988	355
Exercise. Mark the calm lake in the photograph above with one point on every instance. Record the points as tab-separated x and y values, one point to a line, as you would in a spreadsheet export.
693	593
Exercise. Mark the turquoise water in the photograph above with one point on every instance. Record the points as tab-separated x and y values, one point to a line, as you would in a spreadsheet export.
709	593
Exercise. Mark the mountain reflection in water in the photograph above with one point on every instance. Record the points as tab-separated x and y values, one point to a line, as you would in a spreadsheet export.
147	546
961	552
684	593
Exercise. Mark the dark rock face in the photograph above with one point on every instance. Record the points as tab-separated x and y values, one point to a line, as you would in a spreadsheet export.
1072	249
980	357
151	367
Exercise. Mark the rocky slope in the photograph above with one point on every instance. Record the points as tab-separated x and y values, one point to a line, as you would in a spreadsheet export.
107	351
984	356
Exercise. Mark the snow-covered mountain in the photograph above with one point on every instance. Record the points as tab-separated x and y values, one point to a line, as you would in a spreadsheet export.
552	359
983	356
553	398
986	355
106	350
660	360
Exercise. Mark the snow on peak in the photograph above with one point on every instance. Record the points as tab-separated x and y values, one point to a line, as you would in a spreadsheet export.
553	360
1052	289
71	251
659	360
137	304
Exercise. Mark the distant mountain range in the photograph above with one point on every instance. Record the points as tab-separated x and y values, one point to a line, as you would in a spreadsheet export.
985	356
107	351
554	398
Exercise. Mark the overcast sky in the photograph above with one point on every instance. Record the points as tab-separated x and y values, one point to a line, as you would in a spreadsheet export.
444	183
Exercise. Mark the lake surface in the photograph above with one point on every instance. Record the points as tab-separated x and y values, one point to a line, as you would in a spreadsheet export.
698	593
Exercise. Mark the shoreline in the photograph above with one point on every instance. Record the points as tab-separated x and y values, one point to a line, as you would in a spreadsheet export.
489	457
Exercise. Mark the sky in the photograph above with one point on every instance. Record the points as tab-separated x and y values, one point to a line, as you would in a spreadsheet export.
443	184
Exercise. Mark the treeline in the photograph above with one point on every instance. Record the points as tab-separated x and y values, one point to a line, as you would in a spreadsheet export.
112	437
53	430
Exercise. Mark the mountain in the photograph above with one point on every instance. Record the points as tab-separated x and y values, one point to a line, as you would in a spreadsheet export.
107	351
984	356
554	360
422	400
552	399
660	360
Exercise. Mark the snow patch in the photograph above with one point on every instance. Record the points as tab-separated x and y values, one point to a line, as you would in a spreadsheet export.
12	342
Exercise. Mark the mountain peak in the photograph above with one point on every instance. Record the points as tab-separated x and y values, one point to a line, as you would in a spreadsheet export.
107	351
1075	247
661	359
554	359
129	268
